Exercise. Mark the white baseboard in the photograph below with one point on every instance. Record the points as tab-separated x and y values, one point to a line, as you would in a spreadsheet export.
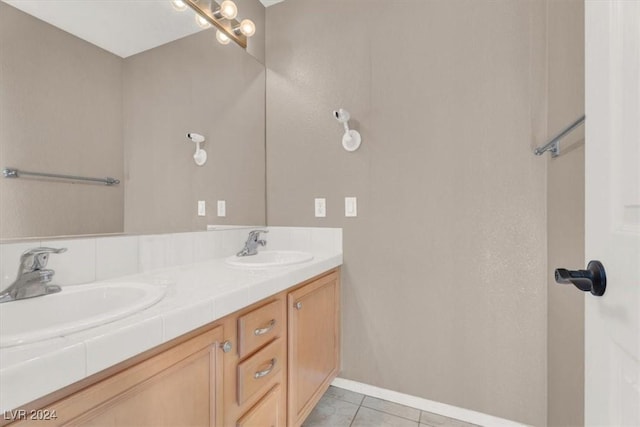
450	411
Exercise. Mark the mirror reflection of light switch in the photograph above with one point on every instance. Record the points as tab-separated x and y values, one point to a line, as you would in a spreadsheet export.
350	206
321	208
222	208
202	210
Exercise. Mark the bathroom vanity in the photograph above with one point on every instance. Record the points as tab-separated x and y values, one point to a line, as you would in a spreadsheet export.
237	371
266	356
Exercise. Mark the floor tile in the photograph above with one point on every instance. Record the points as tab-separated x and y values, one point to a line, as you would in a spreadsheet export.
367	417
346	395
435	420
330	412
391	408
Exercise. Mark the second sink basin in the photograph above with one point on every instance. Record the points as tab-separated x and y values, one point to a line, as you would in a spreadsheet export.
74	309
266	259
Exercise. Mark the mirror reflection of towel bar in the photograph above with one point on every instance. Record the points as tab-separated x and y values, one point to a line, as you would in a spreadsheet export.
553	145
15	173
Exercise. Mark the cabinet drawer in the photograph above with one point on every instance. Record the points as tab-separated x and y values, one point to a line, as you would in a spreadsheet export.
255	373
260	326
266	413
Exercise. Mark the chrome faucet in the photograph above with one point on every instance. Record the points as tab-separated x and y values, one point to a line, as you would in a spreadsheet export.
33	278
251	245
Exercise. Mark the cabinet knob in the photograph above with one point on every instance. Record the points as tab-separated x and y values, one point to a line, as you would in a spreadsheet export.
298	305
226	346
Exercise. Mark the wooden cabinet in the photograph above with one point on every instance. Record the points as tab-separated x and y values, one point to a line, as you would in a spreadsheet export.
267	413
181	386
257	364
264	366
260	326
256	371
314	344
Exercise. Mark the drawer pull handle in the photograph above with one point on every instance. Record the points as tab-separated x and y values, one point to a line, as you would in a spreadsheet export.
298	305
262	331
261	374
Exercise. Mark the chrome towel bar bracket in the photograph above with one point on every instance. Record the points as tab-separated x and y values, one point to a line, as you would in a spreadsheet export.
554	145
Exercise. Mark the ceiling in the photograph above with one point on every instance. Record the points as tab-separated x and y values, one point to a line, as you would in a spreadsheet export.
122	28
268	3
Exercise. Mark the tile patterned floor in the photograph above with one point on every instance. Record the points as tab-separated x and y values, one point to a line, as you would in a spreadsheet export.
344	408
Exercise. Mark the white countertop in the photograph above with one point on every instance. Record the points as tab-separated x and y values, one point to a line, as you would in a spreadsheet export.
196	294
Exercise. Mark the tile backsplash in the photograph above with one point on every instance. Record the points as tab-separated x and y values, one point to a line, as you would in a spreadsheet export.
75	266
99	258
116	256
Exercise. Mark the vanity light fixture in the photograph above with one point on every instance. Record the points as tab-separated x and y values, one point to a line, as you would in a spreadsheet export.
178	5
223	17
227	10
246	27
222	37
202	23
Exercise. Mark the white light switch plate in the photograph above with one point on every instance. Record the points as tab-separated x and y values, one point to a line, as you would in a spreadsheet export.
202	208
350	206
321	208
222	208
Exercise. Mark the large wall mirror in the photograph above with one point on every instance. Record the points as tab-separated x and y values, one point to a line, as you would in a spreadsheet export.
110	89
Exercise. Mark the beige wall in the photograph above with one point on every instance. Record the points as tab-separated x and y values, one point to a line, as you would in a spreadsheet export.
565	214
193	85
445	267
60	111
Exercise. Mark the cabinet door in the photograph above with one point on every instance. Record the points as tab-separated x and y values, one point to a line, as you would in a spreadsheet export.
178	387
314	344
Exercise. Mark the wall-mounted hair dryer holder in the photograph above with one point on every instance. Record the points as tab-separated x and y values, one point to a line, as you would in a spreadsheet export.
351	139
200	156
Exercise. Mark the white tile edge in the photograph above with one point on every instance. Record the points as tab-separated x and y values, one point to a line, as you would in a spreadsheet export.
426	405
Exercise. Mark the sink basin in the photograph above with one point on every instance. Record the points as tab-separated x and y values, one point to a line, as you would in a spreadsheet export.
266	259
72	310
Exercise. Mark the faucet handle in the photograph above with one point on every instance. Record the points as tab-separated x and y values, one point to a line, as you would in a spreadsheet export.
255	234
37	258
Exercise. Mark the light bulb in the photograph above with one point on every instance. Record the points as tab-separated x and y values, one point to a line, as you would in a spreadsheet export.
202	23
247	27
222	37
228	9
178	5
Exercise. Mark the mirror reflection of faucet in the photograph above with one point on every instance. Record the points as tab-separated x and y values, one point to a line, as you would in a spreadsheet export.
33	278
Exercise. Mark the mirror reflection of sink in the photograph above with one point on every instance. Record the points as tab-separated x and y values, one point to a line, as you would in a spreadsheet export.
74	309
266	259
